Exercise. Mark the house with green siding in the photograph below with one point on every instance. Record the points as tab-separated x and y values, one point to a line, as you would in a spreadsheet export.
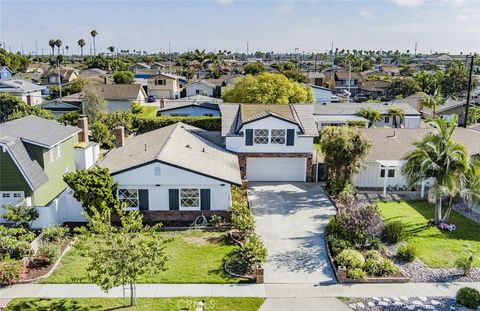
35	153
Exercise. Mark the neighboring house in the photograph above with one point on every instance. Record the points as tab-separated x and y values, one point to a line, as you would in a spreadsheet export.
322	94
5	73
172	169
190	108
95	76
375	89
158	66
201	88
119	96
35	154
384	161
316	78
29	92
138	66
344	81
335	114
390	70
273	142
164	85
51	76
446	111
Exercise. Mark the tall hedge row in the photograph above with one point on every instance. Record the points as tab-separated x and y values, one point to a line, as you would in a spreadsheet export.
148	123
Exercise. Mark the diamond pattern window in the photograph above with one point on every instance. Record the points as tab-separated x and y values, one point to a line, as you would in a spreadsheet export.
278	137
189	197
129	197
261	136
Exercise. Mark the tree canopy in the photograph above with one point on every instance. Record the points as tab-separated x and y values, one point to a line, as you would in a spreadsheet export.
14	61
12	108
124	77
268	88
95	105
403	87
254	68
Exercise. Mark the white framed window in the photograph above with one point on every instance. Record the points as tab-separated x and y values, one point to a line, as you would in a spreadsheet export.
260	136
17	195
5	195
391	172
189	198
158	171
386	119
55	153
129	197
277	137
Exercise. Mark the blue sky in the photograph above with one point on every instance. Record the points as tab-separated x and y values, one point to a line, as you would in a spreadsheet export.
310	25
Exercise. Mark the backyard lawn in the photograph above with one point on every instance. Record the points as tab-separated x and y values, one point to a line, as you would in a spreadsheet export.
143	304
437	249
195	257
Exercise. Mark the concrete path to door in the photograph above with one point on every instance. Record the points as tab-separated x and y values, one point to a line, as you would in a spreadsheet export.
291	218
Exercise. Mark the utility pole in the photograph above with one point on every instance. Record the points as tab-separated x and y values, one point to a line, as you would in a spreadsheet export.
349	79
36	49
468	91
247	49
22	48
59	78
169	50
415	49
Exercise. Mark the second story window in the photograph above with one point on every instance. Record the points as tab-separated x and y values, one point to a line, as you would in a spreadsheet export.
161	82
261	136
278	137
55	153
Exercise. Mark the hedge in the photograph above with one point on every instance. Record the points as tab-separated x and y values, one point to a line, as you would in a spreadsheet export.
148	123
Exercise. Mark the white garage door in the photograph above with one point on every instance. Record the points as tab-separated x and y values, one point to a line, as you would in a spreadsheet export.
276	169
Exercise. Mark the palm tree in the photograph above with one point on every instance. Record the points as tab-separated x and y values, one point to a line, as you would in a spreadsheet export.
432	101
111	49
66	48
58	43
396	113
51	43
94	33
448	163
372	115
81	43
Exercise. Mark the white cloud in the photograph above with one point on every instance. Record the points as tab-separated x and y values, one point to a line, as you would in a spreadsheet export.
367	15
409	3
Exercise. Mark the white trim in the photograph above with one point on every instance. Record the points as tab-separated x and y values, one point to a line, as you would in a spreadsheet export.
189	207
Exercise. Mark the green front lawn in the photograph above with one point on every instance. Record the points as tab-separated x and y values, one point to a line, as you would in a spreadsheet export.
177	303
436	248
195	257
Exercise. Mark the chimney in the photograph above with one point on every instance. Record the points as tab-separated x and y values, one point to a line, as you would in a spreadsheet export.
83	125
120	136
162	103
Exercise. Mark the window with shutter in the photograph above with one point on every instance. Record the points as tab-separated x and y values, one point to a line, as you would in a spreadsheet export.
205	199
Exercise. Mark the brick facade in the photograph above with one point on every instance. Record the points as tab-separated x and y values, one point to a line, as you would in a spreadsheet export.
242	160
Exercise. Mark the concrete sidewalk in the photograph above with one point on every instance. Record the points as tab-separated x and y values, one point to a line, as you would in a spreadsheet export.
240	290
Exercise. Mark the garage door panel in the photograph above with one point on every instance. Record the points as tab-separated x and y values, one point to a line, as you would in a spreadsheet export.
276	169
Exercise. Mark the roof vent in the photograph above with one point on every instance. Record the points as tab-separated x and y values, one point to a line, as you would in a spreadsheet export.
188	146
145	147
203	150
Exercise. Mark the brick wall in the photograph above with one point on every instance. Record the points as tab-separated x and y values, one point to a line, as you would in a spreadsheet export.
178	216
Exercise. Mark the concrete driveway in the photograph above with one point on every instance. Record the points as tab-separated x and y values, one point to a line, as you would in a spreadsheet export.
291	218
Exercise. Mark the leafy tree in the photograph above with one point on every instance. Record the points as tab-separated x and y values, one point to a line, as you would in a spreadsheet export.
429	83
455	82
121	255
13	108
397	114
291	71
14	61
403	87
21	215
448	163
473	115
372	115
95	104
254	68
124	77
267	88
93	187
344	149
102	135
70	118
76	86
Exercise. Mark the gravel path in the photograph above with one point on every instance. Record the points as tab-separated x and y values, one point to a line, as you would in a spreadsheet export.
402	303
467	212
418	272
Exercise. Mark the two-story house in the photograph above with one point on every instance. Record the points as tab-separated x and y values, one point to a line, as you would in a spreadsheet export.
29	92
273	142
164	85
344	81
51	77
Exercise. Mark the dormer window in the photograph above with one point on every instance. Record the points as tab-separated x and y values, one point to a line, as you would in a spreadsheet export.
278	137
261	136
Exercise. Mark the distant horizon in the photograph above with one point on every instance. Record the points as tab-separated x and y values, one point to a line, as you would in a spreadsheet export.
443	26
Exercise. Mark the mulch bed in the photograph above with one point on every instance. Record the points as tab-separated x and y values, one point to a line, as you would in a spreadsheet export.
37	272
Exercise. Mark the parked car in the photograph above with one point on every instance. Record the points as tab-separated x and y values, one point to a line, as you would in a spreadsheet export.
152	99
335	99
360	98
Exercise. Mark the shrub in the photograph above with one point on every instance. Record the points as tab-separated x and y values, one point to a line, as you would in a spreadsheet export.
9	271
22	215
376	265
388	267
22	249
54	233
393	232
360	219
346	196
373	254
357	274
216	220
373	267
407	252
338	245
351	259
468	297
465	264
333	228
253	251
48	250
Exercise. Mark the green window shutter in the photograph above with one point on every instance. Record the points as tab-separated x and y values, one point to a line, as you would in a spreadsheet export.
143	199
205	199
290	137
173	199
249	137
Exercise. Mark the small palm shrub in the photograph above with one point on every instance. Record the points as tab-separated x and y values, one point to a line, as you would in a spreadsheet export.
351	259
468	297
357	274
407	252
393	232
388	267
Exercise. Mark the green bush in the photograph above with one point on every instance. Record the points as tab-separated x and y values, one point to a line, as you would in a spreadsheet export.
393	232
350	258
338	245
333	228
22	249
253	251
242	219
407	252
54	233
388	267
48	250
464	263
378	266
347	195
146	124
356	274
468	297
9	271
373	254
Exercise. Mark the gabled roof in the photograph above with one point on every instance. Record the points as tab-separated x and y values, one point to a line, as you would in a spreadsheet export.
5	67
375	86
38	131
234	116
177	145
352	108
164	74
321	88
201	82
183	104
66	73
345	75
119	91
15	86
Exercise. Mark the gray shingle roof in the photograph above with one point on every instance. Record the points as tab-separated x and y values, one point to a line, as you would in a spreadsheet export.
13	86
30	169
177	145
181	104
352	108
38	131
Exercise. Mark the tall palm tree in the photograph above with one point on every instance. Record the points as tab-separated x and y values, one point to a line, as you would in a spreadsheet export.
51	43
432	101
111	49
66	48
397	114
81	43
94	33
372	115
58	43
448	163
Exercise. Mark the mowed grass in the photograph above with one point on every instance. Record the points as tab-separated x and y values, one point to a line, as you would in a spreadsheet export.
194	257
436	248
143	304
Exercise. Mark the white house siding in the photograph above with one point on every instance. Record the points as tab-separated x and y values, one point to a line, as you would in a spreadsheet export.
191	111
172	178
301	144
86	157
201	88
412	122
322	95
